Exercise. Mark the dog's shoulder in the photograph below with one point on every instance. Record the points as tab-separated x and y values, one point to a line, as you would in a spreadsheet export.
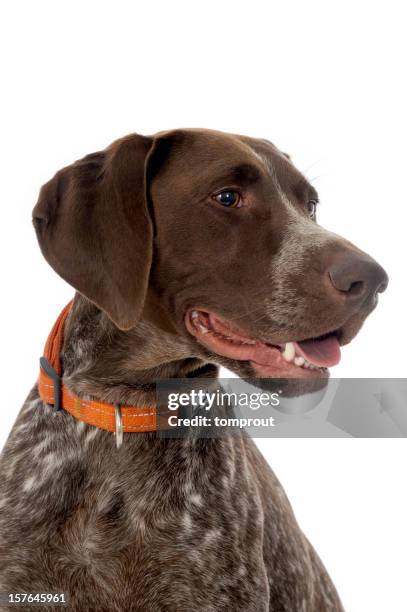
77	515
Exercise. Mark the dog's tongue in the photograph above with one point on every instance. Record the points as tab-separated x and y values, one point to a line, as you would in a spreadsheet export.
325	352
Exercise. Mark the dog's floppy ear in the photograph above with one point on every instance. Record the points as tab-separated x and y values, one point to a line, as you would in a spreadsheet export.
94	228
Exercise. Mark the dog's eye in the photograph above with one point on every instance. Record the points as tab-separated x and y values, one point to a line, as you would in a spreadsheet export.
312	208
228	198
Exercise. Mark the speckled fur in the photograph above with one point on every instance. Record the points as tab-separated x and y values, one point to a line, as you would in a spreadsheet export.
176	525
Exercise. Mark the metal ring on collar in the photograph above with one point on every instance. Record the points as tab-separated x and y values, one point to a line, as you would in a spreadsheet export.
119	425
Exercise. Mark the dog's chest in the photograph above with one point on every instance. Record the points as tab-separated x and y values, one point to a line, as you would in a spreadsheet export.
125	526
178	525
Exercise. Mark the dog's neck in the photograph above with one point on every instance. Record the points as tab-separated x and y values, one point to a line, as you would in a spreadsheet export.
102	362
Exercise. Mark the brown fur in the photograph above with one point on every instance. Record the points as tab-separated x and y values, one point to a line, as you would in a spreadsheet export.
177	525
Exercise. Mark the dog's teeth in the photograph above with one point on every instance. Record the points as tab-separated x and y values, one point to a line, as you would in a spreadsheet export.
289	351
289	355
194	314
202	329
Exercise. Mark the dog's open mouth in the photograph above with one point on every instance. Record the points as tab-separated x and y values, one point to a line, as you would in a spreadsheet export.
294	359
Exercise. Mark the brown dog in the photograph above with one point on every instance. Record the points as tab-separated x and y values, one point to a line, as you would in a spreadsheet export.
187	249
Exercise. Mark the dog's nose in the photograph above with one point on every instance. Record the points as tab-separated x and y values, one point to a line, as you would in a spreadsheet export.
358	277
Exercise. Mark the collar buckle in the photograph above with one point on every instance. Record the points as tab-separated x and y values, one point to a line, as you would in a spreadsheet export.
57	383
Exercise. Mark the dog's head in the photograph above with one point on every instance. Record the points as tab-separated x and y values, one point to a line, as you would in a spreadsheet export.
214	237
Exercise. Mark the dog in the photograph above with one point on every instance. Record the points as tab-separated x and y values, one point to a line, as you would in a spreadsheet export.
188	250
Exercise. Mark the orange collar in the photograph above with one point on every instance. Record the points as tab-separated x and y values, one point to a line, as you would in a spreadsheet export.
111	417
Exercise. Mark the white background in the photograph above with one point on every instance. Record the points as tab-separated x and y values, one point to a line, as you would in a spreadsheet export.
324	81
